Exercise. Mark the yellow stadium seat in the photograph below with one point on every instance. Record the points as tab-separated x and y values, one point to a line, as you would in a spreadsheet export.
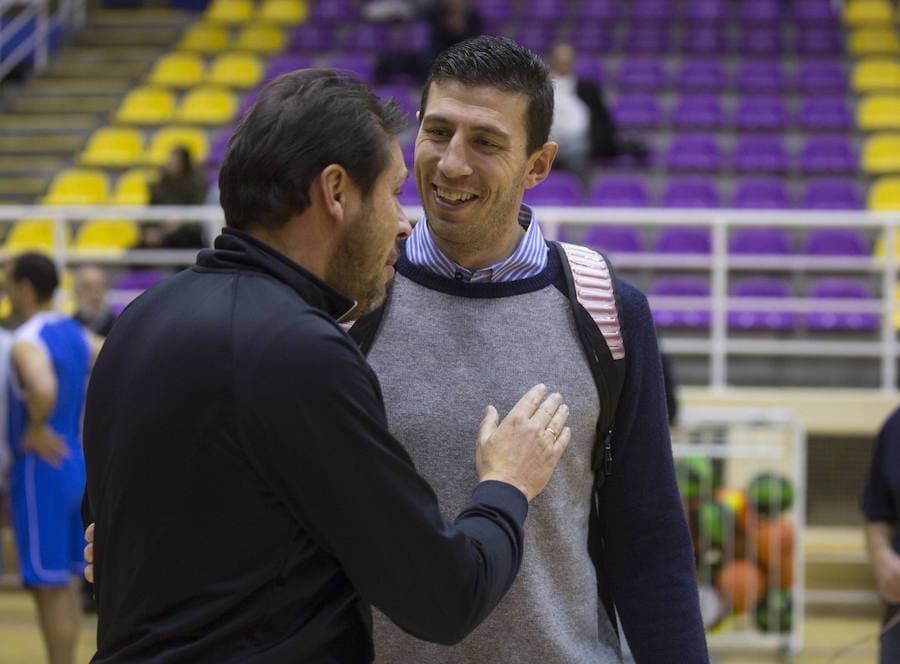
878	112
884	194
236	70
113	146
265	39
193	138
860	12
876	74
873	42
283	12
204	38
211	105
31	235
147	106
133	187
108	234
178	70
230	12
78	186
881	154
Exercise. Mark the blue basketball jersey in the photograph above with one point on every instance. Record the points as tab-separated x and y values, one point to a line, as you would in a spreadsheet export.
65	343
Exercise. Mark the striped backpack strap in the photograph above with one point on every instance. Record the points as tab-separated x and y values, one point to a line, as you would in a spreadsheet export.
594	290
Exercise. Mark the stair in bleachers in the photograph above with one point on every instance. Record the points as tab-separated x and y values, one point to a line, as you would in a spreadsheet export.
45	123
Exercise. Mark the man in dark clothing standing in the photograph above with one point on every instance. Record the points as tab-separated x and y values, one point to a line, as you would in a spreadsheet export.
249	500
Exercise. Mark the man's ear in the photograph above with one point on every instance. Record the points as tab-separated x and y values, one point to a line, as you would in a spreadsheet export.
331	188
539	164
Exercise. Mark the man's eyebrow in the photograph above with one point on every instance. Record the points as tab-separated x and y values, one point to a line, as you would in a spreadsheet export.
483	128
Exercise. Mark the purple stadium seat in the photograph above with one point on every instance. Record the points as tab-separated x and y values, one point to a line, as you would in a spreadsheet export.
590	69
832	194
698	112
647	39
619	191
828	154
760	11
248	101
691	192
760	154
365	37
592	38
761	112
815	76
757	40
694	153
539	37
334	11
543	10
642	11
836	242
357	63
669	316
820	41
760	76
614	239
841	289
683	240
312	38
821	113
637	110
409	151
498	10
219	146
400	94
288	62
559	188
408	193
808	12
761	194
411	36
760	241
602	10
132	283
705	11
741	317
641	73
701	75
707	39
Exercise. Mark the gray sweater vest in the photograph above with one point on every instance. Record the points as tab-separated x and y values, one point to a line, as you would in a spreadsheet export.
441	359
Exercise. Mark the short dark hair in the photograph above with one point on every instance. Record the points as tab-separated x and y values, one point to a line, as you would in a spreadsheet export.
40	272
302	122
499	63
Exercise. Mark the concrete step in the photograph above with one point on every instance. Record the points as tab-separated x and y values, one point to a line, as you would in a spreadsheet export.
42	144
78	86
12	123
145	54
30	165
91	68
126	18
65	104
26	188
127	36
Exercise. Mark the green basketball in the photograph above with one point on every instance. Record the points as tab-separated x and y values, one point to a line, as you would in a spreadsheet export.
775	612
695	477
770	494
716	524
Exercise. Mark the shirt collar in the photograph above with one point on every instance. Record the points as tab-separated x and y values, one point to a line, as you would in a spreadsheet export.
528	259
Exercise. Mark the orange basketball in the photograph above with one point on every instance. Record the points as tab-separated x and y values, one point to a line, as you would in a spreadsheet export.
741	584
774	542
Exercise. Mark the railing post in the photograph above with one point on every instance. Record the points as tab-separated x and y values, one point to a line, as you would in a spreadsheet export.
42	35
719	291
59	254
888	307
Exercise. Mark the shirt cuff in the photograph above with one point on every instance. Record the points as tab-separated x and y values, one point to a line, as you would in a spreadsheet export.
502	496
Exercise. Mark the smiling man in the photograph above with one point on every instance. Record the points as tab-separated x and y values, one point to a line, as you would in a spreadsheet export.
480	301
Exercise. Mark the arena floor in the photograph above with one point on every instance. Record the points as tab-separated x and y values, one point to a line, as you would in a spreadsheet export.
20	641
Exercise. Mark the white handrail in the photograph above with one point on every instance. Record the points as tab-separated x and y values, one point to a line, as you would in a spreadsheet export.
68	13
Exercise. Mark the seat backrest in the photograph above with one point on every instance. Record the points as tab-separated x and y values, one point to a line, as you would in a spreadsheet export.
868	12
78	186
204	38
761	112
614	239
881	153
242	70
761	193
836	242
683	240
698	110
832	194
766	241
878	112
559	188
760	75
820	112
817	76
701	75
691	192
760	154
884	194
642	73
165	139
619	191
178	69
876	74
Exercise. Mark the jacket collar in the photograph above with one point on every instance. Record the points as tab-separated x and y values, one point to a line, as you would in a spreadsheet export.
235	249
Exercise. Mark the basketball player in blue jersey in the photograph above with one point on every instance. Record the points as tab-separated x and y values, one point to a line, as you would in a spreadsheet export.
50	360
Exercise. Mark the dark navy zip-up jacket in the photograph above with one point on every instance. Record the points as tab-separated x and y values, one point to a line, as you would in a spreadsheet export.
249	500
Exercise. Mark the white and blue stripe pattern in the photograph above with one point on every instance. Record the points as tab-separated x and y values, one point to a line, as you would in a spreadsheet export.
528	260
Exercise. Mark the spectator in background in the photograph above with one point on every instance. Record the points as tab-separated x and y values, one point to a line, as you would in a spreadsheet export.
449	22
91	289
179	183
881	506
582	125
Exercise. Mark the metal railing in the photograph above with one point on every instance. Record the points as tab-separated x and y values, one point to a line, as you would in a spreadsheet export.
717	344
46	18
